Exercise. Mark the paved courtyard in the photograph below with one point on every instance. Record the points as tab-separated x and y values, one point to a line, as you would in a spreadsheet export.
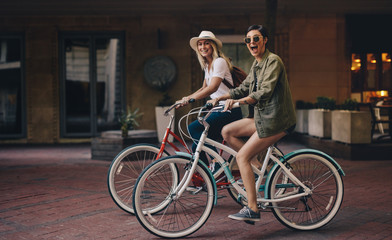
59	192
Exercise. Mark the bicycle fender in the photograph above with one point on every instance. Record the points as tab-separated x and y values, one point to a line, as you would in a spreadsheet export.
317	152
297	152
138	145
188	155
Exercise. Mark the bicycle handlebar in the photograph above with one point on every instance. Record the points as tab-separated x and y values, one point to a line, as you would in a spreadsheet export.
175	105
211	109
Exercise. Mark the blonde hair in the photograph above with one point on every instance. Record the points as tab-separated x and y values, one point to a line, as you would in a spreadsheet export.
216	53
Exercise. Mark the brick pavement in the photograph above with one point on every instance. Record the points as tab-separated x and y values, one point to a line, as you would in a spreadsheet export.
58	192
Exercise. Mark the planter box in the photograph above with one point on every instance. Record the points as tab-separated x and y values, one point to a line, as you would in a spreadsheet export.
319	121
110	143
162	122
302	121
351	126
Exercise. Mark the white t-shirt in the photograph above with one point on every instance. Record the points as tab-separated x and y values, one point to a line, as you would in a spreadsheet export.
221	70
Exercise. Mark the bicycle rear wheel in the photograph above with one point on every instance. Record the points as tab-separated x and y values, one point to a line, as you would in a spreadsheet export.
124	171
320	206
181	216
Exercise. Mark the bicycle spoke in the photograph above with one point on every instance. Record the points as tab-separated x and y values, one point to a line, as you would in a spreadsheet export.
172	215
321	205
124	171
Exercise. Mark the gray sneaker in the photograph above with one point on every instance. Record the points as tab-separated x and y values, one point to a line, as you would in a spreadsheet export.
246	214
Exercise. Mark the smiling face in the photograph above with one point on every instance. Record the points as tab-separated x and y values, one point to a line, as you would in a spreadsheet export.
205	48
256	44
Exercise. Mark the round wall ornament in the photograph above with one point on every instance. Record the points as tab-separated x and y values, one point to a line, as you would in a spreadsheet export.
160	72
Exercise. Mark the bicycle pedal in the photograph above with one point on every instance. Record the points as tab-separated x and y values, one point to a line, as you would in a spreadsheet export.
220	196
194	190
249	222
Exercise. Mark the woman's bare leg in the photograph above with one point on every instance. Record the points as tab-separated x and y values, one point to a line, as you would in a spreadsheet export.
234	132
252	147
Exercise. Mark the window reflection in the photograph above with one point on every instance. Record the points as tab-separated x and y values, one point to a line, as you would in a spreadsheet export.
77	86
371	70
371	73
92	98
235	49
386	71
108	83
11	119
356	79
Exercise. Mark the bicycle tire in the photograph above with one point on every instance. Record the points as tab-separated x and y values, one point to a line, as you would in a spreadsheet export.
124	171
235	172
317	209
180	217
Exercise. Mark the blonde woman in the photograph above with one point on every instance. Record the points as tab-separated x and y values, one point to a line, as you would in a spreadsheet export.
216	67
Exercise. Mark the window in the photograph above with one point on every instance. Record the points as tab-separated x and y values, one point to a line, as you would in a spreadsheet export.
371	71
235	49
92	82
369	43
12	88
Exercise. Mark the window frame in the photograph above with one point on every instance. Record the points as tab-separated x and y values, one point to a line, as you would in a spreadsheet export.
92	36
363	70
23	121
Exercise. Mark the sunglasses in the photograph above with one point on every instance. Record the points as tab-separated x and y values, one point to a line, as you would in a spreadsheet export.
247	40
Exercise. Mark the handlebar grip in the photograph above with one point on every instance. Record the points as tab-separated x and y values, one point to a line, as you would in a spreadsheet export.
208	106
191	100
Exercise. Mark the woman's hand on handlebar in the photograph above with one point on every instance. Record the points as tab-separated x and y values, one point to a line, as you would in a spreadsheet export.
184	101
214	102
230	103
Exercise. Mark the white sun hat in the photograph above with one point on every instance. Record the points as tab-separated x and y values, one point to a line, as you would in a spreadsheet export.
205	35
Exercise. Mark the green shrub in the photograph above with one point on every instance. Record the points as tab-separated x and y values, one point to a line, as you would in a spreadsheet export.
326	103
300	104
349	104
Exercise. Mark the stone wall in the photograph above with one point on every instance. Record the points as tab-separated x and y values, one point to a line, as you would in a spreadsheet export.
318	61
315	58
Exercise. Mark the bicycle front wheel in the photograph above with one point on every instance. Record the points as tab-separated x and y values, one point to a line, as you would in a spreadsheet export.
320	206
181	215
124	171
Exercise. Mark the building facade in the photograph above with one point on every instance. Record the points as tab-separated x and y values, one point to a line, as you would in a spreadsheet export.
67	72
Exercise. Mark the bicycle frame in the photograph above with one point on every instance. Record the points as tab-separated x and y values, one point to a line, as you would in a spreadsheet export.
165	140
168	133
225	167
181	190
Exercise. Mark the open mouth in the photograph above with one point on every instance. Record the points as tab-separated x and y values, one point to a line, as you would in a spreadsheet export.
254	48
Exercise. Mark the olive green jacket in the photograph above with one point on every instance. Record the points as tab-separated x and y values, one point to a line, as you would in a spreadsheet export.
274	110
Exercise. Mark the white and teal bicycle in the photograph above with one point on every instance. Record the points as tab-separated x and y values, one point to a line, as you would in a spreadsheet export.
174	196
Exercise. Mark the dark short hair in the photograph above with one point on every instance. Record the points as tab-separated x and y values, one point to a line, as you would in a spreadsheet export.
259	28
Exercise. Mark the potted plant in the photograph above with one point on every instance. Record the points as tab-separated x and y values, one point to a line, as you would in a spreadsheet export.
302	110
320	118
349	125
349	104
129	121
162	121
160	73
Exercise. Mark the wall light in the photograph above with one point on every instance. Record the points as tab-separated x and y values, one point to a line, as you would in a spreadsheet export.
384	93
388	58
357	58
373	59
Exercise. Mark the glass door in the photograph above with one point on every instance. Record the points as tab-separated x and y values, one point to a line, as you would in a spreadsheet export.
92	83
12	88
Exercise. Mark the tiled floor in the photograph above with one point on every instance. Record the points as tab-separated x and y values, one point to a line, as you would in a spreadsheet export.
58	192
